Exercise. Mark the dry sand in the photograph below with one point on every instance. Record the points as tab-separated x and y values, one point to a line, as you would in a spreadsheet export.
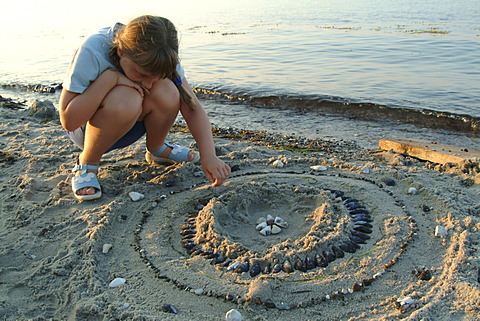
52	266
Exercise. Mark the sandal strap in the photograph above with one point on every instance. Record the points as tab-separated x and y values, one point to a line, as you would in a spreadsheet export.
84	167
160	151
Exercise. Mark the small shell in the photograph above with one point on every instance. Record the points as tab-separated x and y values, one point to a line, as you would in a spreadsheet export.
318	168
117	282
255	270
233	266
278	163
337	252
266	230
320	260
170	309
287	266
347	247
328	256
309	263
243	267
379	274
275	229
362	217
362	229
360	235
261	226
280	222
359	211
353	206
300	265
277	268
356	239
267	269
134	196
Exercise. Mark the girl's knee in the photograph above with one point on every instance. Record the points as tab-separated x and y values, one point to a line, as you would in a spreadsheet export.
164	96
123	101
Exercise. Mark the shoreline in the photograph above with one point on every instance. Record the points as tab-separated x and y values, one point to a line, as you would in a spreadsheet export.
52	263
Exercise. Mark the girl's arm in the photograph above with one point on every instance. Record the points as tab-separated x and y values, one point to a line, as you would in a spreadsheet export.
76	109
198	123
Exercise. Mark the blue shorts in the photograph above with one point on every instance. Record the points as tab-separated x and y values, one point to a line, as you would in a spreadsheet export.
137	132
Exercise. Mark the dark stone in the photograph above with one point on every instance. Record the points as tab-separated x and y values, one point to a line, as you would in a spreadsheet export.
359	211
320	260
255	270
170	309
300	265
389	181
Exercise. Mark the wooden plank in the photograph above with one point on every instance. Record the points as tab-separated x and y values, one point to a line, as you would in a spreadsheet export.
428	150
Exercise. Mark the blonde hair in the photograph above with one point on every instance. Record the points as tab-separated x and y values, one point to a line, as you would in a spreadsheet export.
152	43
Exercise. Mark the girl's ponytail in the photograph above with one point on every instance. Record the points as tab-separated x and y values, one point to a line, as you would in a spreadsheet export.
184	95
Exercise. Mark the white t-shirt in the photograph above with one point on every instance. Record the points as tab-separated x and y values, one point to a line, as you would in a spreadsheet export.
91	59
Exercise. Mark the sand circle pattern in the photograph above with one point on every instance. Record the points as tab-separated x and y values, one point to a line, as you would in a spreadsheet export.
209	241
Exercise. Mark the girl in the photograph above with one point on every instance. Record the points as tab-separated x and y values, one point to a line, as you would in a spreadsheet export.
126	81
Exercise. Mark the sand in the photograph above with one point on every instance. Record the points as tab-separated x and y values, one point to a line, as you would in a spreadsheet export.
53	267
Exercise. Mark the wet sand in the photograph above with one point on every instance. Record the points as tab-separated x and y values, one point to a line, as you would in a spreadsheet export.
52	264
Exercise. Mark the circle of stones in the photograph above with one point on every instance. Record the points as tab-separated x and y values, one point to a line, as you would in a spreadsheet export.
357	286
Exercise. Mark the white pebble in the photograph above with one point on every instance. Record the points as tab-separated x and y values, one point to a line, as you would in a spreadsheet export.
199	291
276	229
318	168
280	222
278	163
198	174
117	282
379	274
413	191
266	230
366	170
261	220
233	315
270	219
134	196
440	231
261	226
405	303
106	247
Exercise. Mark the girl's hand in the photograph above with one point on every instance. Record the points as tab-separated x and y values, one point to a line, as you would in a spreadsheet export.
215	170
122	80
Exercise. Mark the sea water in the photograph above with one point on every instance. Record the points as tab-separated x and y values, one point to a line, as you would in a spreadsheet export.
408	60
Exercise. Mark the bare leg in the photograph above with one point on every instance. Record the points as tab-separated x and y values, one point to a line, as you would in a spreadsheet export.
160	109
119	112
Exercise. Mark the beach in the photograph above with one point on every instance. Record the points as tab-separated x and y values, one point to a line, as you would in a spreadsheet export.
58	256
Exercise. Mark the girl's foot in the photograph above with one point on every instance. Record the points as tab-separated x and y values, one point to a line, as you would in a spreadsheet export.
171	154
85	185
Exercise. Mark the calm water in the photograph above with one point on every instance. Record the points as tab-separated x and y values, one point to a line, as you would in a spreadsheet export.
364	57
